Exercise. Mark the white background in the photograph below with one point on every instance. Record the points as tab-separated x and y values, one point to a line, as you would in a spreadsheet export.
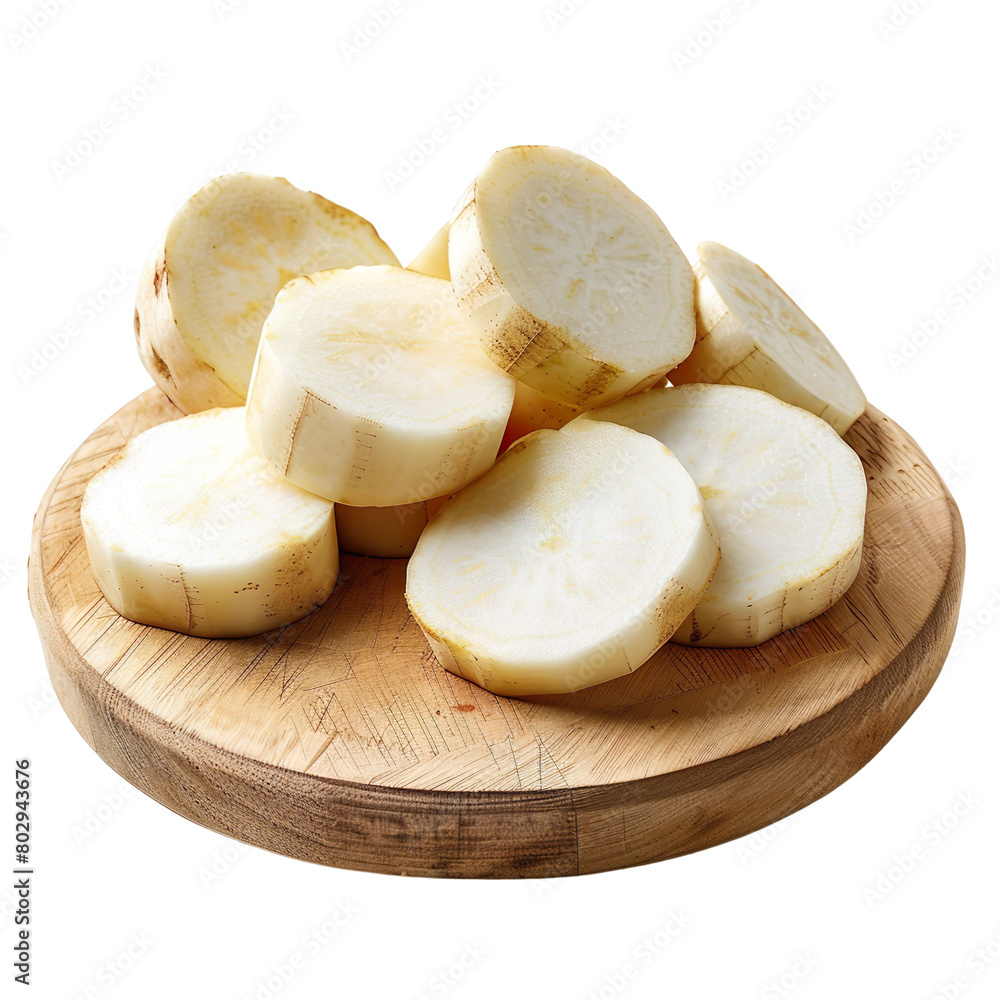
797	910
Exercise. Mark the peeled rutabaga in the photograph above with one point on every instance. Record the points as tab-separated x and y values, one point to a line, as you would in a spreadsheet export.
188	529
569	563
572	281
751	333
787	495
210	282
371	390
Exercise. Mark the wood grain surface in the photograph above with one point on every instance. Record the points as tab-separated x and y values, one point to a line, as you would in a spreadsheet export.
341	741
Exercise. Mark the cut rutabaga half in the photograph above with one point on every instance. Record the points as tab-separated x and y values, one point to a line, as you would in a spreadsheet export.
751	333
433	259
572	281
787	495
370	389
211	281
188	529
569	563
384	532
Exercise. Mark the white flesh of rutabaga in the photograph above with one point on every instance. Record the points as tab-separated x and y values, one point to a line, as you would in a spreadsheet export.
787	495
574	284
210	283
751	333
188	529
370	389
569	563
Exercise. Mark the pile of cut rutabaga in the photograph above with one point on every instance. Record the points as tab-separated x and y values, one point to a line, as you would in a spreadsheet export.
499	411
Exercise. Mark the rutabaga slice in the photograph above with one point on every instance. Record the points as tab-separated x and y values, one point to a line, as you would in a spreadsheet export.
433	259
371	390
569	563
211	281
787	495
751	333
572	281
384	532
188	529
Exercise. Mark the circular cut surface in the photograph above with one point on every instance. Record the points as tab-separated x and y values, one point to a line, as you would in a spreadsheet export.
370	389
231	248
193	492
189	529
580	251
340	740
575	543
786	493
388	345
751	333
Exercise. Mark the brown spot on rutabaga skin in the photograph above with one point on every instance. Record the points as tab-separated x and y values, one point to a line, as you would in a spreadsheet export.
161	366
159	275
477	283
600	380
135	324
523	342
601	377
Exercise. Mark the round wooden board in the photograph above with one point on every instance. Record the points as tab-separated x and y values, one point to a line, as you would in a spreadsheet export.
341	741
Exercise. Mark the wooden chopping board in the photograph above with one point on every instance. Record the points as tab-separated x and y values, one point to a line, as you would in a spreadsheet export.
339	739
